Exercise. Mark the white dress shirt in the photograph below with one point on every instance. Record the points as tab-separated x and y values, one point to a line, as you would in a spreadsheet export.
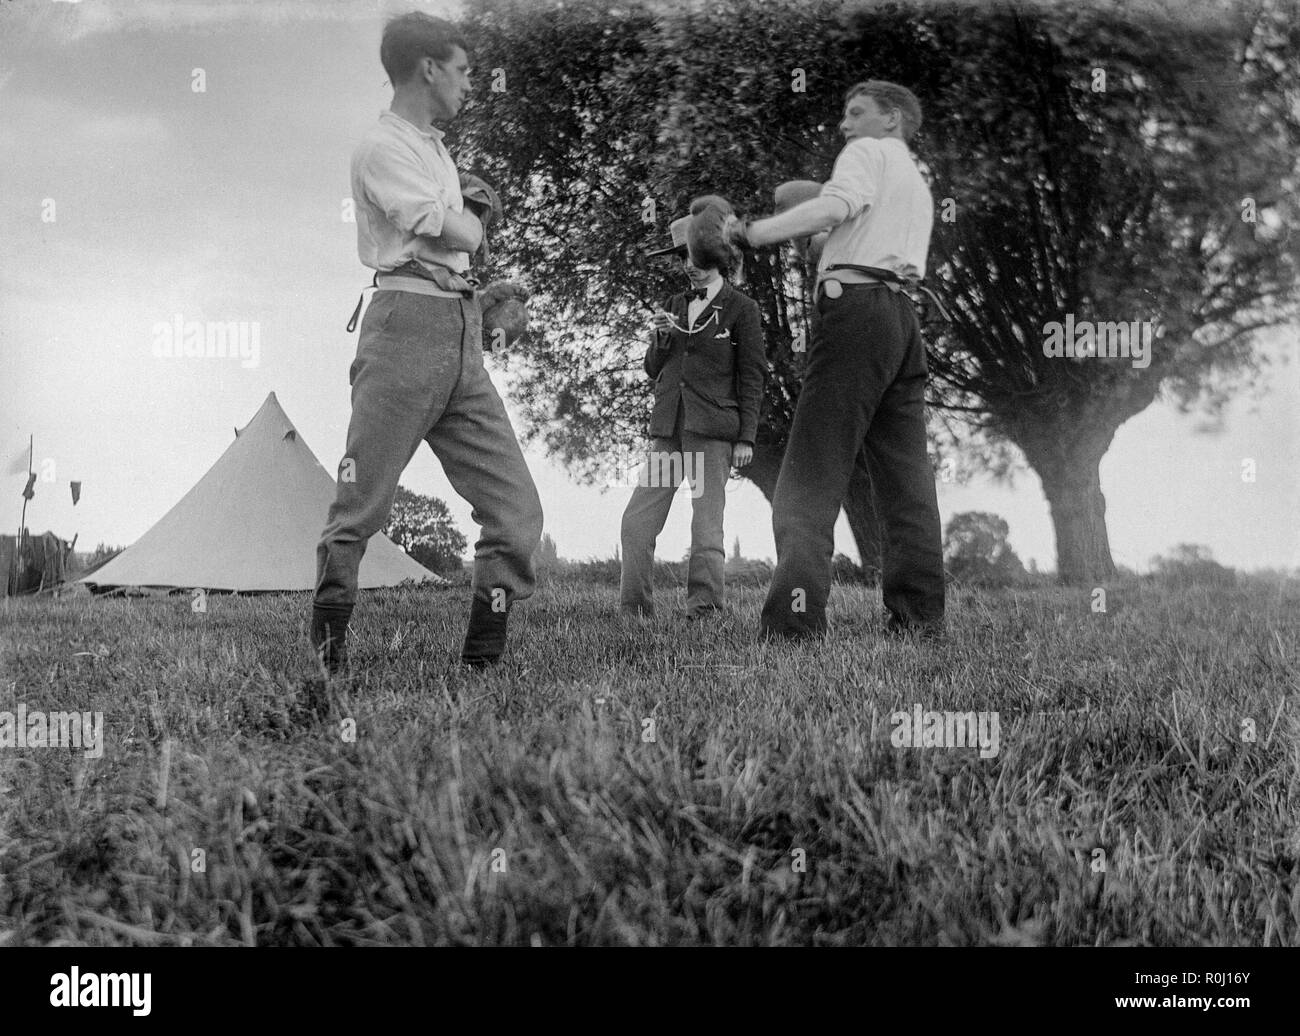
697	306
403	181
891	212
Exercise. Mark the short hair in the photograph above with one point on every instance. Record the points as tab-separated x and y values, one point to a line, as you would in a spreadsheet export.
410	37
890	95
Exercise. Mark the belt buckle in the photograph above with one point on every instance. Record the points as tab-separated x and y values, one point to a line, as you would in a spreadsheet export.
833	288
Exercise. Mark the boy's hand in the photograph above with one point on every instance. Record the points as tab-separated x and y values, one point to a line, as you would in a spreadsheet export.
741	454
662	320
461	231
735	231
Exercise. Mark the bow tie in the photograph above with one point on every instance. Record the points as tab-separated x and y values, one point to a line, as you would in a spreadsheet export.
699	294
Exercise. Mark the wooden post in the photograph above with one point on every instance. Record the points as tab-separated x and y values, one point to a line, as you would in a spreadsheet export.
22	522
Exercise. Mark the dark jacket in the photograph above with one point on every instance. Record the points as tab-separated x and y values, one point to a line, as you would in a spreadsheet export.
717	371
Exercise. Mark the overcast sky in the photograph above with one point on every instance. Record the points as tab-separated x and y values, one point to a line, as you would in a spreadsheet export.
225	205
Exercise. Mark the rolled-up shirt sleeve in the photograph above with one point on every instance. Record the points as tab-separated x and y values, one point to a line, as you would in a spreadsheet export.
396	182
856	177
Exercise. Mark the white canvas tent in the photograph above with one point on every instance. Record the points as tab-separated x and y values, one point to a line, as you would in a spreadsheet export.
251	523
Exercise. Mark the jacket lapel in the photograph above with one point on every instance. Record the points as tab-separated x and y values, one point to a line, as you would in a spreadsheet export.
712	311
723	297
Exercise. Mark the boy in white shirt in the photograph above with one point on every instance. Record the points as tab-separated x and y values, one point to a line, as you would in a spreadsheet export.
418	374
866	375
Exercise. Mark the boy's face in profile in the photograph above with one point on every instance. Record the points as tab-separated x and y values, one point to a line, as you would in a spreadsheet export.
863	117
450	85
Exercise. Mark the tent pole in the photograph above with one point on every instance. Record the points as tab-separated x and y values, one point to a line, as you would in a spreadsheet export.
17	563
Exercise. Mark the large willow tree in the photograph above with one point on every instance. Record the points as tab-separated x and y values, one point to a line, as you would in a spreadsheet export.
1088	162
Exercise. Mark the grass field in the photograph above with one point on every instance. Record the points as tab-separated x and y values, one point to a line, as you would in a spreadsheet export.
1145	790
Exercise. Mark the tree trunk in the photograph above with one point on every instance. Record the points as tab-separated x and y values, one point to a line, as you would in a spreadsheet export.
1065	452
1072	485
859	504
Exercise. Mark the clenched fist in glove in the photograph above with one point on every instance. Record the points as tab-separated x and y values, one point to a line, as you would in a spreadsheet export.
505	317
484	202
706	236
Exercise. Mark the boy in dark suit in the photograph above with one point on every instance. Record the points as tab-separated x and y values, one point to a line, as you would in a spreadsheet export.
706	356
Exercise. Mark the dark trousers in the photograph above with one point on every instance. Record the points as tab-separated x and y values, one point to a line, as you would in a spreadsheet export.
865	384
418	375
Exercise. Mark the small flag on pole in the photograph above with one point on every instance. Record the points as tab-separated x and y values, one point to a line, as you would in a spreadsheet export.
29	492
76	492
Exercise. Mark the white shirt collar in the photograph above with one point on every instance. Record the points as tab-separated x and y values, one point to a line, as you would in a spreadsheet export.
428	131
712	288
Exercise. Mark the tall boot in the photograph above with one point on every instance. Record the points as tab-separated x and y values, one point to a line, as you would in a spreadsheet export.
329	635
485	639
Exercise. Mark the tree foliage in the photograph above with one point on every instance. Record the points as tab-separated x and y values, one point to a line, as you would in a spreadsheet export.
975	550
1132	167
1055	197
1191	564
546	555
423	527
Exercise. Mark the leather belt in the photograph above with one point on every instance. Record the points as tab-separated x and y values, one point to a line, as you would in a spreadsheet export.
833	279
445	278
419	285
843	277
412	277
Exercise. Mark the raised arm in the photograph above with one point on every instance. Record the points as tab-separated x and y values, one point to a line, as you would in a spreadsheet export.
805	219
851	189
